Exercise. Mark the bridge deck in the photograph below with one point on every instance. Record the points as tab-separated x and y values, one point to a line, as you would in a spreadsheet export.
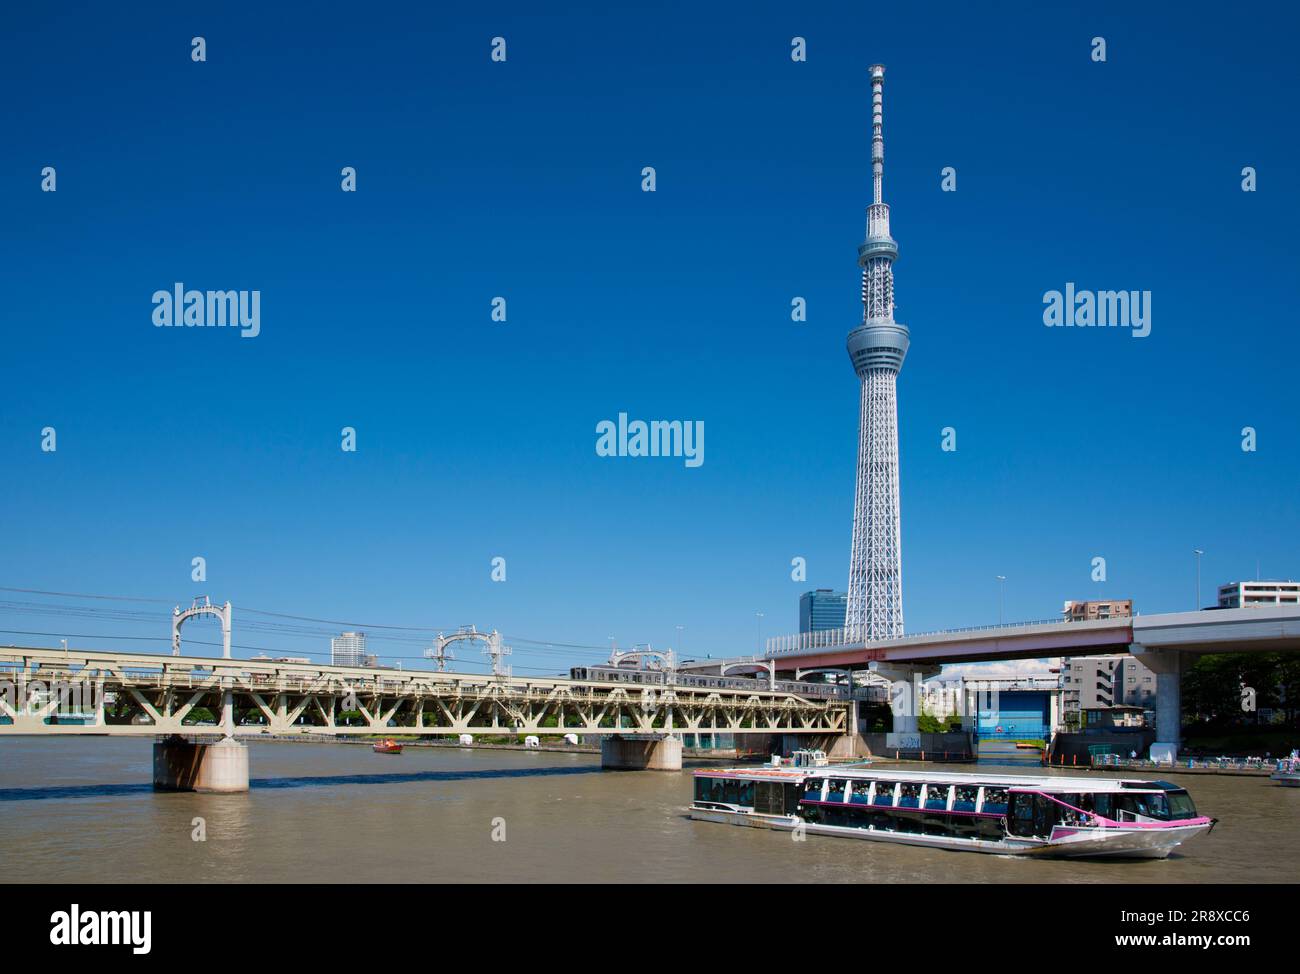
1258	628
43	691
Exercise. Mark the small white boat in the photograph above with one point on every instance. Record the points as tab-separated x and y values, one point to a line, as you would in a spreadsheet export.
803	758
1288	771
1019	815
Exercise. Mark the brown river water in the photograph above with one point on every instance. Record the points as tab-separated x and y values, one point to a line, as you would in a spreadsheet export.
83	811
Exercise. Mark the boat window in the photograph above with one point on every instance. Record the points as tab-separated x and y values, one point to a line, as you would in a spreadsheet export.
1045	813
1071	815
995	801
909	795
936	797
1022	815
884	793
1152	805
812	789
738	792
1181	805
714	789
769	797
964	800
835	793
861	794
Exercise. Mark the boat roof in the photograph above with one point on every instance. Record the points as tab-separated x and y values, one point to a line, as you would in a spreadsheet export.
1051	783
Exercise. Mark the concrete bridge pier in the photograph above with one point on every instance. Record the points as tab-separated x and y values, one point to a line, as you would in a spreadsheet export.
180	765
1167	664
640	752
905	692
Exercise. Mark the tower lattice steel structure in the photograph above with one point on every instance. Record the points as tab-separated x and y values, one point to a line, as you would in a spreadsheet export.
877	348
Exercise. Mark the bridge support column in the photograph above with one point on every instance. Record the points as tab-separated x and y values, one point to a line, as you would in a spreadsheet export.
179	765
849	744
640	753
905	692
1167	664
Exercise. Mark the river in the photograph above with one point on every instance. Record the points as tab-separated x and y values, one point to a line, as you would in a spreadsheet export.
82	810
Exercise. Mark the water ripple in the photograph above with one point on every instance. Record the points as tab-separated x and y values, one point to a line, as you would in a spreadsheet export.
47	793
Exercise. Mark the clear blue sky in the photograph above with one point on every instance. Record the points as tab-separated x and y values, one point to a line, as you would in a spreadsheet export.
522	179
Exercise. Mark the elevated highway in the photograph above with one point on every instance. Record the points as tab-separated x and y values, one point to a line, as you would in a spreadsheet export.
1260	629
1162	641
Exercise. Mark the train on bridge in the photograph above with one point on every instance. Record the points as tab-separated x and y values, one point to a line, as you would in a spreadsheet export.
704	681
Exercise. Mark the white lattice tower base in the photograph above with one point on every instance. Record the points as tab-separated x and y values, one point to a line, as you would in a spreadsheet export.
875	607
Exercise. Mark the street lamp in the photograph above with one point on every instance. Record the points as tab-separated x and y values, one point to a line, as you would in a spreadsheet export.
758	616
1002	596
1198	552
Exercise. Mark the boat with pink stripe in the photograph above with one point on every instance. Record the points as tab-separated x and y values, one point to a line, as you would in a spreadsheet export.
1023	815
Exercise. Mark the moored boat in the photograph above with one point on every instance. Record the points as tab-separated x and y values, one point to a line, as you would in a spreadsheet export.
1007	814
1288	771
387	746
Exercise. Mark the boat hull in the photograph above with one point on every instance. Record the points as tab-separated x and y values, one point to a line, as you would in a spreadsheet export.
1092	843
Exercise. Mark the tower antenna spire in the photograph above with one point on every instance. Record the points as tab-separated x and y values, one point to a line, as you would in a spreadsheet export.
877	132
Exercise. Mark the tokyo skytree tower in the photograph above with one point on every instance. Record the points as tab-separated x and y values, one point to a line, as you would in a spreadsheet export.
876	348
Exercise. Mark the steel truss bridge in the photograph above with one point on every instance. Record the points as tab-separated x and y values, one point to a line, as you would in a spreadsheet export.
49	691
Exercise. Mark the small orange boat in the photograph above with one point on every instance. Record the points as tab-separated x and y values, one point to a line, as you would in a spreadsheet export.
387	746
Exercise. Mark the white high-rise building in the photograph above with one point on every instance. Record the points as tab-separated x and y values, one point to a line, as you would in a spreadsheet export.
348	649
1242	595
877	348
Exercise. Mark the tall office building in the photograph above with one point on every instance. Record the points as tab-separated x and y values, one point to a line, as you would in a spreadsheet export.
876	349
822	609
348	649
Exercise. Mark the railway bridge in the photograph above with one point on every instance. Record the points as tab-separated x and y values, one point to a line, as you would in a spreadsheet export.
86	692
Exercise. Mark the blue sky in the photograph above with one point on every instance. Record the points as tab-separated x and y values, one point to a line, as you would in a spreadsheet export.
476	439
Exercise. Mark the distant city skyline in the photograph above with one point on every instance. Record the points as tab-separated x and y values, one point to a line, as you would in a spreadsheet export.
474	491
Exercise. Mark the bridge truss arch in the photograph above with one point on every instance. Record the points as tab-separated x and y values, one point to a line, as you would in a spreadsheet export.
202	607
492	648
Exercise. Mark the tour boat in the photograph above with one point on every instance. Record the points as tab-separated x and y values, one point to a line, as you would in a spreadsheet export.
1019	815
388	746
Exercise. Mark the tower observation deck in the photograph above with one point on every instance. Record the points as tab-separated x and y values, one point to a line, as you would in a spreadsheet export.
877	348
